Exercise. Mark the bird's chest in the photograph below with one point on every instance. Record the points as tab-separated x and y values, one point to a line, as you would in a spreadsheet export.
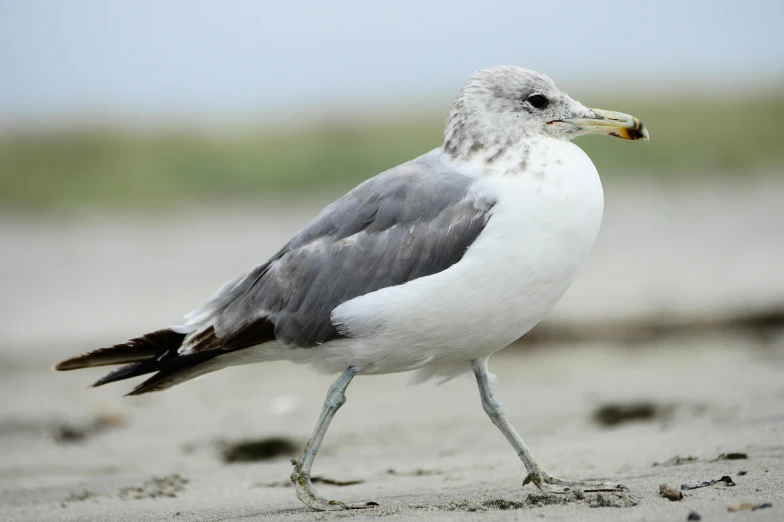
544	224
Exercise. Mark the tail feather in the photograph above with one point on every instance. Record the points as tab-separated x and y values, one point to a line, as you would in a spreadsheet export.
144	348
178	370
167	366
125	372
154	352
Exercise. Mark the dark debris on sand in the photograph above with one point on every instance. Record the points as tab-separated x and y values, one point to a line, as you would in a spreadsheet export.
726	480
78	497
676	461
66	433
157	487
736	455
255	450
749	507
614	414
531	501
605	499
419	472
314	480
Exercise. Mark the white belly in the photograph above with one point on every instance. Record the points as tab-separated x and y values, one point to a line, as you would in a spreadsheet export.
544	224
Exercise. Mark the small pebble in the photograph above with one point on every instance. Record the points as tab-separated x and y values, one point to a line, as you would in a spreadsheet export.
669	493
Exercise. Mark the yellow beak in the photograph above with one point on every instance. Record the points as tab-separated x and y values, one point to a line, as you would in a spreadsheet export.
611	123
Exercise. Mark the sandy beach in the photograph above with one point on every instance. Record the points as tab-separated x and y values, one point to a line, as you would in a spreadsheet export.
664	364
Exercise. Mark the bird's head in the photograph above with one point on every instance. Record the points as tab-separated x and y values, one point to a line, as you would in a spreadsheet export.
505	104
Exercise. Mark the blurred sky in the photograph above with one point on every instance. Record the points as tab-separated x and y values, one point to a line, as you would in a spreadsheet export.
60	58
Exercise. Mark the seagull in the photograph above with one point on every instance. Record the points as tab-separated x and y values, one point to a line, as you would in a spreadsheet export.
431	266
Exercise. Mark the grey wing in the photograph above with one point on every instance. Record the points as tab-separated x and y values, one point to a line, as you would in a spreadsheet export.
415	220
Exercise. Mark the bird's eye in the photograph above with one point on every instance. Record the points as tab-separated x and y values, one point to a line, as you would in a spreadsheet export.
538	101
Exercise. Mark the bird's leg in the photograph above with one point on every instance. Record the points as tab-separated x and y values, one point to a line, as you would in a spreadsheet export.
336	397
536	473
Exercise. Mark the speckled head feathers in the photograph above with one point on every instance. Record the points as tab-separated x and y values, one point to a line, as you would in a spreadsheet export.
499	106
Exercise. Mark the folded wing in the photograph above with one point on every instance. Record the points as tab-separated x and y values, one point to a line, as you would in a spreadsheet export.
410	222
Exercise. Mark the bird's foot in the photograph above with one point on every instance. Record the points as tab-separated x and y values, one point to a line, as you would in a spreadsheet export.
310	497
546	482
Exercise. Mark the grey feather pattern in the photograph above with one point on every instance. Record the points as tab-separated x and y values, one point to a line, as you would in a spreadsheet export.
412	221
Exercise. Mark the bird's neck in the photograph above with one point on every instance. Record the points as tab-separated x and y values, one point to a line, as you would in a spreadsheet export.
467	146
494	157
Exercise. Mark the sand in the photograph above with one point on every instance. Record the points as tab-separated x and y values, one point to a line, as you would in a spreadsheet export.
425	452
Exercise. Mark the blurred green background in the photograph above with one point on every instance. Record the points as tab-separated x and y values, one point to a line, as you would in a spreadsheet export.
107	168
